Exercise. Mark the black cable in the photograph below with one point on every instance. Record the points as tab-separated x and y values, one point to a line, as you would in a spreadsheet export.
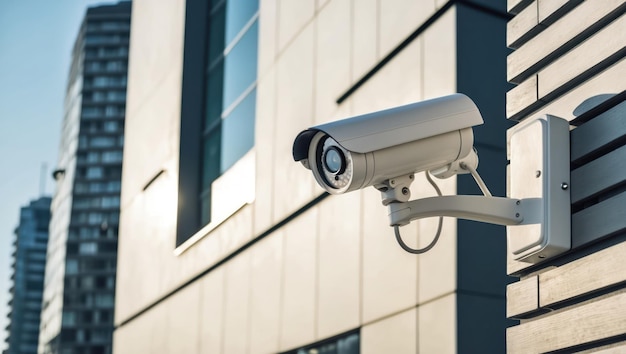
434	241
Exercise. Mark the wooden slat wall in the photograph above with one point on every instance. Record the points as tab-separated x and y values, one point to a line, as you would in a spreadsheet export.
565	35
568	61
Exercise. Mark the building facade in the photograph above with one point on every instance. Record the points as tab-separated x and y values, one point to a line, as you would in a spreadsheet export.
29	261
228	246
568	61
77	315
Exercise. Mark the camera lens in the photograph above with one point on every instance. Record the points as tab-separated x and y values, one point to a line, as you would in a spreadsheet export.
334	161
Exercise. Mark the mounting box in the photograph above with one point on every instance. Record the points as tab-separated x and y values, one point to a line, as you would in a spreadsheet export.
539	168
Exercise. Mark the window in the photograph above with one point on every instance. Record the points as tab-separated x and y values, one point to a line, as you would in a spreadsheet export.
115	65
96	187
85	233
88	248
93	66
95	218
113	186
107	81
91	112
71	266
101	141
112	156
94	172
104	300
111	126
230	81
93	157
110	202
219	85
112	111
116	95
343	344
68	318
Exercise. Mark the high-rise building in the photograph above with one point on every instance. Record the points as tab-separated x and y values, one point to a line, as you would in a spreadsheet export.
29	261
79	290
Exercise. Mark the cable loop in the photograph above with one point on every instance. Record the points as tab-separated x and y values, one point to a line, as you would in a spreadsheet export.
439	226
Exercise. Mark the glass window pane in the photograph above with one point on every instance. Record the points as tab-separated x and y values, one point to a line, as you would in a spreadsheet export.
211	159
240	66
205	207
214	95
238	13
216	34
238	131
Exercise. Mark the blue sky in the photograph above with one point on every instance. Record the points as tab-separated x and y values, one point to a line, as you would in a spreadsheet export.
36	38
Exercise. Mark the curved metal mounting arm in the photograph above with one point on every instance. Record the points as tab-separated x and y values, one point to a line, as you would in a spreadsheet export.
493	210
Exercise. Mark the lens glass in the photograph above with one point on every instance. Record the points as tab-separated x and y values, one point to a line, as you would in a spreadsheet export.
333	160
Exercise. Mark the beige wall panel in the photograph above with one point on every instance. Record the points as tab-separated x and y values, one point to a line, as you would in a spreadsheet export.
332	61
152	139
211	311
515	6
581	276
439	52
294	112
265	298
365	33
293	16
234	233
321	3
617	348
153	93
589	53
397	83
268	21
136	336
298	307
143	277
264	146
588	322
522	296
437	267
183	317
396	334
225	239
608	81
160	270
521	96
389	273
157	48
237	304
557	34
398	19
172	327
519	25
545	8
149	334
339	264
437	326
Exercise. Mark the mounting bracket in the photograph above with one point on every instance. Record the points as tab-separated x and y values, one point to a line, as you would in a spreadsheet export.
536	210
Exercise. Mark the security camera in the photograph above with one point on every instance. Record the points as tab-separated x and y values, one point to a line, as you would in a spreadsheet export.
376	148
385	149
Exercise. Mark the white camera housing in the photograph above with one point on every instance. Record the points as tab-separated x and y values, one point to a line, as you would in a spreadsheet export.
386	148
373	148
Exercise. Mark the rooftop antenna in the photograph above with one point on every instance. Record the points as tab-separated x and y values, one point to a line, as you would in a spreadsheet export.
42	178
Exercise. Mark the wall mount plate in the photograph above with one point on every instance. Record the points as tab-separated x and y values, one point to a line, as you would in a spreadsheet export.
539	167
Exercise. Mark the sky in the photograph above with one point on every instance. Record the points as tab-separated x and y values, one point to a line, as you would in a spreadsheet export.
36	39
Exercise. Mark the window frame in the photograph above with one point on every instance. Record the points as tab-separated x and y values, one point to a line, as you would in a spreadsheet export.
189	227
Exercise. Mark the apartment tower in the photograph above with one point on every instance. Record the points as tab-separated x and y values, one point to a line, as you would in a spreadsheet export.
29	261
79	291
